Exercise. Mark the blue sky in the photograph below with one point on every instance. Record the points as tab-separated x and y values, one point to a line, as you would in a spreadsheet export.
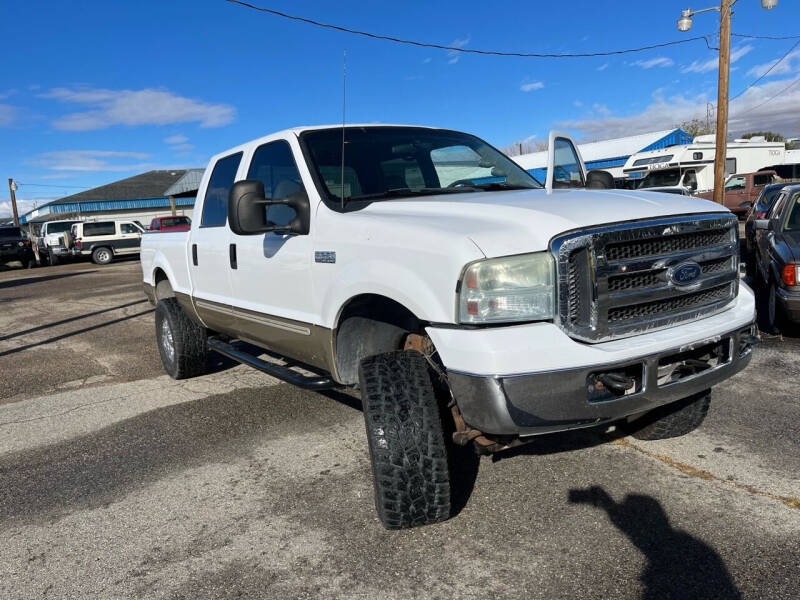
94	91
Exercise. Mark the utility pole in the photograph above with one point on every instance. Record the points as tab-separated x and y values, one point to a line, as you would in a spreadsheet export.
172	205
12	187
722	100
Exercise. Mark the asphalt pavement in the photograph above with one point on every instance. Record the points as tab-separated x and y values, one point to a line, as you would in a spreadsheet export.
117	482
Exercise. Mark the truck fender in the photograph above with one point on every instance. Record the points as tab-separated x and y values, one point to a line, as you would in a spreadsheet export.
407	288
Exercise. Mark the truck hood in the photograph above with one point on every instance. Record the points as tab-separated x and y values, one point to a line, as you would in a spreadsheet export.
517	221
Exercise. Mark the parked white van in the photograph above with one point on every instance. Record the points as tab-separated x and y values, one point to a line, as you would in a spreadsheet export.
103	240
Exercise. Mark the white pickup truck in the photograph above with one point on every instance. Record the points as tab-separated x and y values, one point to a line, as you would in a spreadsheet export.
469	303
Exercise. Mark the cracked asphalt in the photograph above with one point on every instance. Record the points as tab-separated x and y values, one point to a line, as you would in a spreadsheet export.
117	482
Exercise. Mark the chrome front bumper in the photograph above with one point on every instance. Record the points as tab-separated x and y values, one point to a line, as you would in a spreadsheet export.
545	402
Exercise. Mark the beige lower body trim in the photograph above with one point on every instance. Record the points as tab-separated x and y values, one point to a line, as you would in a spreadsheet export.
297	340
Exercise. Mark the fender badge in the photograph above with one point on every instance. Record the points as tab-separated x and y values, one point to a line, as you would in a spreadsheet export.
325	257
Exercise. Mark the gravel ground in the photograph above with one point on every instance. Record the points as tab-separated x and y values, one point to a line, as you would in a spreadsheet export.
117	482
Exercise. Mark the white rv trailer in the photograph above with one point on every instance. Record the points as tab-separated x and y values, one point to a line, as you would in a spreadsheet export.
692	166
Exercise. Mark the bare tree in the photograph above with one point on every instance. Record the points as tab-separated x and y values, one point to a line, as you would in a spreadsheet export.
526	147
696	127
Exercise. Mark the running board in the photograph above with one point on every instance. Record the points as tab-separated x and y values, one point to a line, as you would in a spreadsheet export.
278	371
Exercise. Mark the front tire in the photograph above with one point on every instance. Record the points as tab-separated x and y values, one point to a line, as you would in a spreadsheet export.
672	420
774	318
181	341
52	258
410	470
102	256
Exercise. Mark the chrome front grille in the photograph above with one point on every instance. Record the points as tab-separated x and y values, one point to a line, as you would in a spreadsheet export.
617	280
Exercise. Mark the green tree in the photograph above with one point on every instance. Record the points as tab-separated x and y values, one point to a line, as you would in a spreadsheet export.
696	127
770	136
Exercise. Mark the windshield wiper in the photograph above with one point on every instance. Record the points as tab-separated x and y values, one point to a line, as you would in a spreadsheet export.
501	185
403	192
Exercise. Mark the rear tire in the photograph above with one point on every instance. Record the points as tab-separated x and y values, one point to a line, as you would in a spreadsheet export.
102	256
672	420
181	341
410	469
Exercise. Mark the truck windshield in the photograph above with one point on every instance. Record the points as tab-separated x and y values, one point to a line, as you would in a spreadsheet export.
394	162
665	178
58	227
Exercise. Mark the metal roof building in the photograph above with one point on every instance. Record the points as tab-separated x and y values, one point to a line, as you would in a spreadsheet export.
140	197
610	155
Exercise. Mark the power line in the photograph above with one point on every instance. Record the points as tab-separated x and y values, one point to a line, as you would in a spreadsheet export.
779	61
388	38
48	185
752	108
766	37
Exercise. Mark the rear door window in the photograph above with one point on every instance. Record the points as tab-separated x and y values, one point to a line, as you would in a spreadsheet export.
98	229
759	180
215	204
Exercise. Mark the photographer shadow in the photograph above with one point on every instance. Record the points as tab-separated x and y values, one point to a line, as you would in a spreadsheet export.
678	565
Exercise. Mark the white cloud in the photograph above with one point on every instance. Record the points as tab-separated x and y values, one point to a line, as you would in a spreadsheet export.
788	65
92	160
178	138
760	108
135	107
24	205
529	87
704	66
4	95
8	114
602	67
454	56
577	103
425	61
659	61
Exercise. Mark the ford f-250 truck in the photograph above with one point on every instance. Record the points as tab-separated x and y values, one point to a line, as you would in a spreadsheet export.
469	303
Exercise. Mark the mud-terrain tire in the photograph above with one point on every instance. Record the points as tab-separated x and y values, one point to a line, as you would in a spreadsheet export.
773	315
102	255
406	440
181	341
672	420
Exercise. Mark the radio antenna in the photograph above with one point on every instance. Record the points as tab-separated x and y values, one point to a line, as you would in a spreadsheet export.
344	107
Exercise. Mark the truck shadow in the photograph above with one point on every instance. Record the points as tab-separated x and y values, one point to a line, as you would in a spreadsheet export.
678	564
26	280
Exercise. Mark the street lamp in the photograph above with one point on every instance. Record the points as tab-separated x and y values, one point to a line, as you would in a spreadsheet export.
685	24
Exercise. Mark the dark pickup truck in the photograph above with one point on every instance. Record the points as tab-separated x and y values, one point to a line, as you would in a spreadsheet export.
776	259
15	246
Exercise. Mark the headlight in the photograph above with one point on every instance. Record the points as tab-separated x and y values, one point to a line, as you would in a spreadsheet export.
513	288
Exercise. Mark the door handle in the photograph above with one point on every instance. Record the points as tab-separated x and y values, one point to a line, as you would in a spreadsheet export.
194	254
232	255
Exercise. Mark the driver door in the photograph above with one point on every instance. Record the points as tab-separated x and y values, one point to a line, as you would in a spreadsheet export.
271	275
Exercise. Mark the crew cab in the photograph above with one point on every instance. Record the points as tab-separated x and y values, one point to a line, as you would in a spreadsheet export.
171	223
468	302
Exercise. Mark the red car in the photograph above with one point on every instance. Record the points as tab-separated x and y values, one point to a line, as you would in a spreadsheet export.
170	224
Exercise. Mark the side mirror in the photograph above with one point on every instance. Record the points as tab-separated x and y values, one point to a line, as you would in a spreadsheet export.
762	224
597	179
248	206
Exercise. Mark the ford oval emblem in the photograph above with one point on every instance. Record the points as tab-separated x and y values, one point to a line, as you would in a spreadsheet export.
685	273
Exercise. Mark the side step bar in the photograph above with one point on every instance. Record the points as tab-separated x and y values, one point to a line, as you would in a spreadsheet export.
278	371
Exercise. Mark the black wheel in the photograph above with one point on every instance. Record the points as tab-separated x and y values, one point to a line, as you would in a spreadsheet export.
52	258
672	420
102	256
773	320
407	447
28	262
181	341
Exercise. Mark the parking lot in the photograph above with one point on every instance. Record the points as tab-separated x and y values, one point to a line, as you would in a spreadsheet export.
117	482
